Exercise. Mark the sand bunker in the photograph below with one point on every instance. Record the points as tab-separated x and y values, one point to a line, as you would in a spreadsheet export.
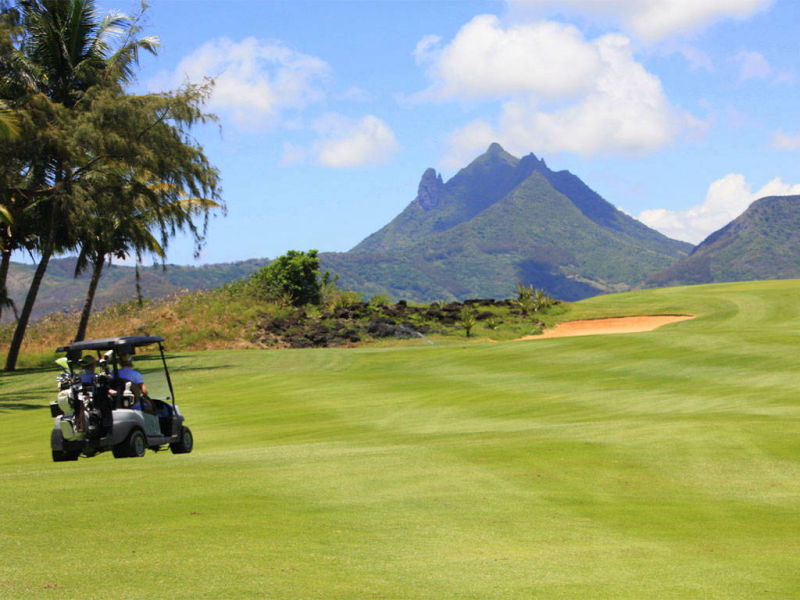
606	326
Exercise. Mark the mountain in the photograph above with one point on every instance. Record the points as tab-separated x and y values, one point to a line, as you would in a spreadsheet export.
498	221
60	291
762	243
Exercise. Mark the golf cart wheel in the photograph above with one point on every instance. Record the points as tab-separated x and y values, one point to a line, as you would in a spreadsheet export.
137	444
65	455
185	444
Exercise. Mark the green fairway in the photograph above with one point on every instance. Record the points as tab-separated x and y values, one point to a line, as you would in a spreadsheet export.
649	465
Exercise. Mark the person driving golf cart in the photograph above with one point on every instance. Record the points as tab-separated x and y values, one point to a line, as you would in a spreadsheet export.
128	374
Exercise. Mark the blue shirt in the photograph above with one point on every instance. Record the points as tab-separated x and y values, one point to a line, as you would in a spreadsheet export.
130	374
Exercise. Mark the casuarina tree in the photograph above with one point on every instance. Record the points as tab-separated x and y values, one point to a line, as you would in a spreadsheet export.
83	134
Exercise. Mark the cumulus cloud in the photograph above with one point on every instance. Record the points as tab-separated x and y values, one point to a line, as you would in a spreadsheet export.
469	141
346	142
256	81
652	20
583	96
726	199
484	60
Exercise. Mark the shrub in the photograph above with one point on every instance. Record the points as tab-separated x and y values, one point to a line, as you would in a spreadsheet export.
467	319
531	300
379	300
340	299
293	277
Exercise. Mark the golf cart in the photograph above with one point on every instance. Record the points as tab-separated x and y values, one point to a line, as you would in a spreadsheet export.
103	406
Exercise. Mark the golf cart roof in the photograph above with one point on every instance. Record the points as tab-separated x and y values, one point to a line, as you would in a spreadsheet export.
116	343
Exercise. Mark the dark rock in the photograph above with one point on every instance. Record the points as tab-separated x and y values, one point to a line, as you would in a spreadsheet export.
401	331
300	342
480	302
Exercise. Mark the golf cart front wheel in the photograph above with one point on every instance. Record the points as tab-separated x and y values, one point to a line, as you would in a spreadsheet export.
65	455
137	444
185	444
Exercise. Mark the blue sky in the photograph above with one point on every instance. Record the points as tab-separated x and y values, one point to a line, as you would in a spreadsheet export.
678	112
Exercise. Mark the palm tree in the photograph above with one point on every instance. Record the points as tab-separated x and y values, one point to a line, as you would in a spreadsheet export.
68	47
124	224
65	50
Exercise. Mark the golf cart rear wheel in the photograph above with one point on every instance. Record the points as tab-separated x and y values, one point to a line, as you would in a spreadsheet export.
137	444
185	444
120	450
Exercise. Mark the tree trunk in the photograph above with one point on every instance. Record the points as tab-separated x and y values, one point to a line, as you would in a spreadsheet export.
25	315
98	263
4	264
139	298
33	290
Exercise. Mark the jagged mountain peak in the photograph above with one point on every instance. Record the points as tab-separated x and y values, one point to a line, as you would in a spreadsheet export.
430	189
501	219
530	161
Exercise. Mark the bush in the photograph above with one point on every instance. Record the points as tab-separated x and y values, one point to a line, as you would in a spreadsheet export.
531	300
293	277
379	300
467	319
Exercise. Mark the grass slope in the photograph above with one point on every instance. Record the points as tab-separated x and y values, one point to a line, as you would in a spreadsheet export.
651	465
761	243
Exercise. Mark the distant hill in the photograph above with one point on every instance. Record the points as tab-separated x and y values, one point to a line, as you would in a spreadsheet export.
499	220
60	291
762	243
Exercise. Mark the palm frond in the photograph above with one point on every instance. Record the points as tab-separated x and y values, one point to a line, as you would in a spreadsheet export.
5	216
9	124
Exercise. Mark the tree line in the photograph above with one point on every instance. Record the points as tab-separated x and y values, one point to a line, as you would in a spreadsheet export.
86	166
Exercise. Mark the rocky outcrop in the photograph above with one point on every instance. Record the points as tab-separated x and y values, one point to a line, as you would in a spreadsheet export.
360	321
430	188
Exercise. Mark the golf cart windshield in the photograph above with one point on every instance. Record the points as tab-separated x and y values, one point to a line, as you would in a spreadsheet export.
150	365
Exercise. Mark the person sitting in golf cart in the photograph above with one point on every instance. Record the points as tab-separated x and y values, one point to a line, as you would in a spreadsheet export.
88	362
139	389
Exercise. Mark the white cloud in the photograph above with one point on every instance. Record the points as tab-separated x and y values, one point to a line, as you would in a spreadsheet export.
467	142
425	48
612	105
785	141
726	199
752	65
484	60
652	20
353	143
256	81
292	155
696	58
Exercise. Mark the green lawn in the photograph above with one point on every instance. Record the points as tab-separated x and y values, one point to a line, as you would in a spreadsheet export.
649	465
